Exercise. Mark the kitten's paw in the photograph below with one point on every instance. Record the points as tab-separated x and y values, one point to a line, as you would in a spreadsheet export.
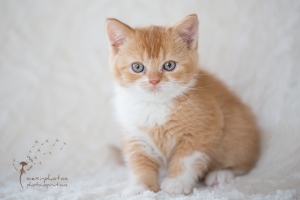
133	190
215	178
177	186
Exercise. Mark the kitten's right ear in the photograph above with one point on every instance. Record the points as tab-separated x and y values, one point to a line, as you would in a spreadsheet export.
117	33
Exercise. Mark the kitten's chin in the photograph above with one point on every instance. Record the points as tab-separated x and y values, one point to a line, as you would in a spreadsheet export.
162	94
154	94
154	90
157	95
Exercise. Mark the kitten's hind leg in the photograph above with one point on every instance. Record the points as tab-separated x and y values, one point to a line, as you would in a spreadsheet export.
221	176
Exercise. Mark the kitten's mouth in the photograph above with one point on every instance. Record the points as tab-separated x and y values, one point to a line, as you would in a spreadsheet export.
154	89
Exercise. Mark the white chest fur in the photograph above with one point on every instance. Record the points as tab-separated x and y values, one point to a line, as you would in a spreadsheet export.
134	110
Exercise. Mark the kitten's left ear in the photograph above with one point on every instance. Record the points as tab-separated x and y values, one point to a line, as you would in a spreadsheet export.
187	29
117	33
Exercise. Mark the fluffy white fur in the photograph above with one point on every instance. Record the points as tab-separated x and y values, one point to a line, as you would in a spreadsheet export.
133	190
184	183
134	109
55	83
137	105
215	178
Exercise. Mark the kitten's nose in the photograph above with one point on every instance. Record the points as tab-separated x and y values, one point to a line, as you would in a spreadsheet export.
154	82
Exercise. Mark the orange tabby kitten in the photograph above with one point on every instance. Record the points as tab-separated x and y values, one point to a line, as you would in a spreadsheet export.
174	114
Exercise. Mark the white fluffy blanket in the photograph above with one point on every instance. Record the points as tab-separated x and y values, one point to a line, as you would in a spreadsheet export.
55	84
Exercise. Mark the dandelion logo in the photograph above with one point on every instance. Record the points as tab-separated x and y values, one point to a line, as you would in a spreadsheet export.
36	152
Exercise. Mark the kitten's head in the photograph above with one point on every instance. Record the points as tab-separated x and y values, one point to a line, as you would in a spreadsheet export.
157	63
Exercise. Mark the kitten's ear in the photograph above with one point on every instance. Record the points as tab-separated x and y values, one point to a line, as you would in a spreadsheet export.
187	29
117	33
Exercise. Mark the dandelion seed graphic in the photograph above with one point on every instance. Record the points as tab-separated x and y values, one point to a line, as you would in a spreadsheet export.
14	162
35	142
31	161
46	141
39	150
22	171
29	153
29	168
63	146
55	142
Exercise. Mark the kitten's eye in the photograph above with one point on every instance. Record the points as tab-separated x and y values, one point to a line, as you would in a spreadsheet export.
169	66
137	67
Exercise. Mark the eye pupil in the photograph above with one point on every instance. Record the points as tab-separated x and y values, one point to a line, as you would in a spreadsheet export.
137	67
169	66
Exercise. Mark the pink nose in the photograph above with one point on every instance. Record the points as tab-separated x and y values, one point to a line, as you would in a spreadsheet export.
154	82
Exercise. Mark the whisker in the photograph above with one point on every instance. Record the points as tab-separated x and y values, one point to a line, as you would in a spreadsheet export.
193	104
180	85
180	108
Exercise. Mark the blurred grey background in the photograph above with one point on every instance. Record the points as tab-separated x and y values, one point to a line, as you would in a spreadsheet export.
55	84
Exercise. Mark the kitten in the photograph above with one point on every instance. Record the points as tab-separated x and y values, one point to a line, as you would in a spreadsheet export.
174	114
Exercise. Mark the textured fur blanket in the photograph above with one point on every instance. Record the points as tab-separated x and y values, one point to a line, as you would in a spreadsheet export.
56	118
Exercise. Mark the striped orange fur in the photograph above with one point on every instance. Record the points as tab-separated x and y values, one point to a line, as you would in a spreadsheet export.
189	121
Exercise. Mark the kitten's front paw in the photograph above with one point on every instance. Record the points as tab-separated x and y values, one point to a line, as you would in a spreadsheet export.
133	190
177	186
215	178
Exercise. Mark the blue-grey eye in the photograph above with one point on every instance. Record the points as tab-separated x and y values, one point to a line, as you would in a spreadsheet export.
137	67
169	66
